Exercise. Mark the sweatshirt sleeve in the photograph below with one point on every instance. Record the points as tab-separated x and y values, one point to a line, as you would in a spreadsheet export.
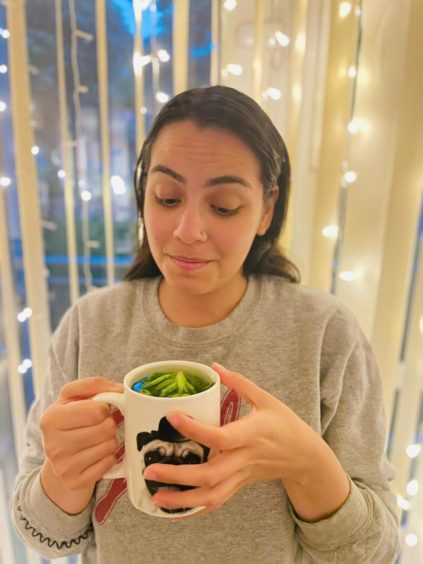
365	528
40	523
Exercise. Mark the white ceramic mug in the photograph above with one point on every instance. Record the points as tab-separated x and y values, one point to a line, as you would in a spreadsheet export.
150	438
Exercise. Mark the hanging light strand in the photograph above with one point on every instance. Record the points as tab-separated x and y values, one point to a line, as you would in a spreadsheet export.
348	175
78	89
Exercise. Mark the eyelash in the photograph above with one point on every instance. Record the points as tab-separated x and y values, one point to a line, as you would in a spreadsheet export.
223	212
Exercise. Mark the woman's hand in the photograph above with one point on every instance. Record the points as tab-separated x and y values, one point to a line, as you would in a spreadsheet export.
270	442
79	437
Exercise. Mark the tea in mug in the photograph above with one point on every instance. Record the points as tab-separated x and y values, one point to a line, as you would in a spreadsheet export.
171	384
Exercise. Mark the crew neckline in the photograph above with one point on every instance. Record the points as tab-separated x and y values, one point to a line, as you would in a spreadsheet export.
237	320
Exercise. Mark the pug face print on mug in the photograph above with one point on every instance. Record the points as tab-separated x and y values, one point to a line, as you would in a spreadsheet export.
166	446
151	392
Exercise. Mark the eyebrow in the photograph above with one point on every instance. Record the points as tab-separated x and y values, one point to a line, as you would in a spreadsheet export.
225	179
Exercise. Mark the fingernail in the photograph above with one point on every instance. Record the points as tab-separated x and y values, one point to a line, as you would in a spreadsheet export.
174	419
149	475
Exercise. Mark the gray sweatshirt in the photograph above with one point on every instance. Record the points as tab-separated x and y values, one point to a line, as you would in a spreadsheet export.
302	346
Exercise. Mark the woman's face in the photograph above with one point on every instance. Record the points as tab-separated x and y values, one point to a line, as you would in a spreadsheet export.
203	206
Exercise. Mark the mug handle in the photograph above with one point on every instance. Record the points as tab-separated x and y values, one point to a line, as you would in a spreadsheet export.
116	399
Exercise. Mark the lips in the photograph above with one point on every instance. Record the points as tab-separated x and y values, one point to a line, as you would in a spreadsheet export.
189	263
189	259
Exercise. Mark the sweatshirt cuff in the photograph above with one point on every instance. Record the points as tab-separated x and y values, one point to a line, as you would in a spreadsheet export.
341	527
44	516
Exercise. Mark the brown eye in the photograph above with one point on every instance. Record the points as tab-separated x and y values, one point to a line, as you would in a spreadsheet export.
226	211
167	202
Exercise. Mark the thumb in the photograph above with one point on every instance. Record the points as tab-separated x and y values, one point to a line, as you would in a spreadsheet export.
87	388
249	391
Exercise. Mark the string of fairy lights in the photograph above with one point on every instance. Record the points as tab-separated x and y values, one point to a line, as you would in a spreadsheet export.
84	193
158	56
349	176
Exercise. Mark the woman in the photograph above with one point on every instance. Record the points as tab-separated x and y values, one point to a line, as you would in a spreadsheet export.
301	474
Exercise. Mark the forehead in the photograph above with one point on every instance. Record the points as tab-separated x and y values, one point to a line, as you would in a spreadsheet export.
185	147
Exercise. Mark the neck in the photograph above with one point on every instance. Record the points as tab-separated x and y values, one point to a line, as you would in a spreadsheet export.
192	310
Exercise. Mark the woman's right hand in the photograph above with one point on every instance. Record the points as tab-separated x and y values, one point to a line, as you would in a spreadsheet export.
79	437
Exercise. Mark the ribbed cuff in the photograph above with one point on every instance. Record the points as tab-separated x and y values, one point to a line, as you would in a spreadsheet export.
341	527
44	516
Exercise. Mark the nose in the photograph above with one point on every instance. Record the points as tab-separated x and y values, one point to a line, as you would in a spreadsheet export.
190	227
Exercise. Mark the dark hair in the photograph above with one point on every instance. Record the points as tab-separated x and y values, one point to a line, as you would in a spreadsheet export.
226	108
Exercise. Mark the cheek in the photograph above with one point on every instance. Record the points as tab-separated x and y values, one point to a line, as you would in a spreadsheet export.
235	238
157	229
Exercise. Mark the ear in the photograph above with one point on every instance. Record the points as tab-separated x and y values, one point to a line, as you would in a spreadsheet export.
268	208
143	438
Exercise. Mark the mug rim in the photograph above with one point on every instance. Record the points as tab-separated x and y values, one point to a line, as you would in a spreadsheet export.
202	367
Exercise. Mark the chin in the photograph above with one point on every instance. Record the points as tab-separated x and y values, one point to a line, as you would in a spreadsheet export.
189	285
197	282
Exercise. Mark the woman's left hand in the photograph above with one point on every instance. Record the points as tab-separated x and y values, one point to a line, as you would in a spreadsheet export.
270	442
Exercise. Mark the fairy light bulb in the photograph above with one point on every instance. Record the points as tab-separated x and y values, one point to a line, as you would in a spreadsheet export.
272	93
24	314
230	5
25	365
352	71
297	92
330	231
234	69
86	195
347	276
350	176
35	150
403	503
413	450
282	39
3	69
5	181
300	43
139	61
411	539
412	487
344	9
354	126
162	97
61	173
118	185
3	106
163	55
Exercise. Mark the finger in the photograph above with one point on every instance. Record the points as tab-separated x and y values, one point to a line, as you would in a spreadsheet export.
208	474
249	391
96	471
87	388
71	467
92	474
84	437
210	498
91	455
232	435
76	414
